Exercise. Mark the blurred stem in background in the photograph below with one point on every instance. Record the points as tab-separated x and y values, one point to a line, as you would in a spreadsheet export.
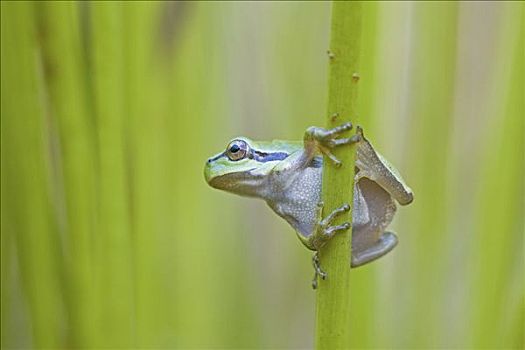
29	227
70	113
144	135
501	196
433	48
113	253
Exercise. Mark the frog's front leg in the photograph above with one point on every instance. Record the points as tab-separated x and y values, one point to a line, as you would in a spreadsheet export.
322	140
322	232
316	140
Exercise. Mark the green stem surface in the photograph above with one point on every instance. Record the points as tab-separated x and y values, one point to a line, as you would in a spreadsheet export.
333	295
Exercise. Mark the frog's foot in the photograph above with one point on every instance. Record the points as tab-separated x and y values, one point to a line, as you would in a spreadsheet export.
324	230
327	139
317	270
386	243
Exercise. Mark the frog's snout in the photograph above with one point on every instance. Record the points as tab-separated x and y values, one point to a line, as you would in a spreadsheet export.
207	170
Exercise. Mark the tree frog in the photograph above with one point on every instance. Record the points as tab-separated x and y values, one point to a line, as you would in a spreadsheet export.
288	176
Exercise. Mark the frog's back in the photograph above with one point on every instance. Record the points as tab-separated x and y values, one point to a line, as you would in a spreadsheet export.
274	146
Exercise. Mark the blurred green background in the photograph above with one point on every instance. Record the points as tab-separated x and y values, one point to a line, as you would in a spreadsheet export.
111	237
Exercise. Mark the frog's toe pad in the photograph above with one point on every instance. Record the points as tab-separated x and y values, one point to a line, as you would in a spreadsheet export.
331	230
385	244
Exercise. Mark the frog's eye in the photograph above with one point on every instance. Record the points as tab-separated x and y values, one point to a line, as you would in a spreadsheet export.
237	150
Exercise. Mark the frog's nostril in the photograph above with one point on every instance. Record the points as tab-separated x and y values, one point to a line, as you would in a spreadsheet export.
209	160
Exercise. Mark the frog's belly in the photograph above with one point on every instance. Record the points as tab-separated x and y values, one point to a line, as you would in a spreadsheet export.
301	213
296	201
297	204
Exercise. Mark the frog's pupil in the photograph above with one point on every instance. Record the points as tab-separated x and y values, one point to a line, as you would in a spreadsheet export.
234	149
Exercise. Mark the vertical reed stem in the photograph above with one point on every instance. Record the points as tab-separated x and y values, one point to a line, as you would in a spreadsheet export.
333	295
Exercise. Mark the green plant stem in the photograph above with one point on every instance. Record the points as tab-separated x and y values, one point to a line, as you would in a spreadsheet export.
333	295
26	221
143	115
113	241
66	80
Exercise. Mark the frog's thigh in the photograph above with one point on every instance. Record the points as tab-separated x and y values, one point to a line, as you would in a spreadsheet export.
386	243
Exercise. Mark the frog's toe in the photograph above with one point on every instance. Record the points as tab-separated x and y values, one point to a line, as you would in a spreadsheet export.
335	213
340	129
330	136
331	230
326	135
317	270
340	142
325	149
328	139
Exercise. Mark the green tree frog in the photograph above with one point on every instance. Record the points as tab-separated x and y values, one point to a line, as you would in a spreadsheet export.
288	176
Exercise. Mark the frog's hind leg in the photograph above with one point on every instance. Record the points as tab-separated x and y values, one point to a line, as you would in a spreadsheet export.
386	243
